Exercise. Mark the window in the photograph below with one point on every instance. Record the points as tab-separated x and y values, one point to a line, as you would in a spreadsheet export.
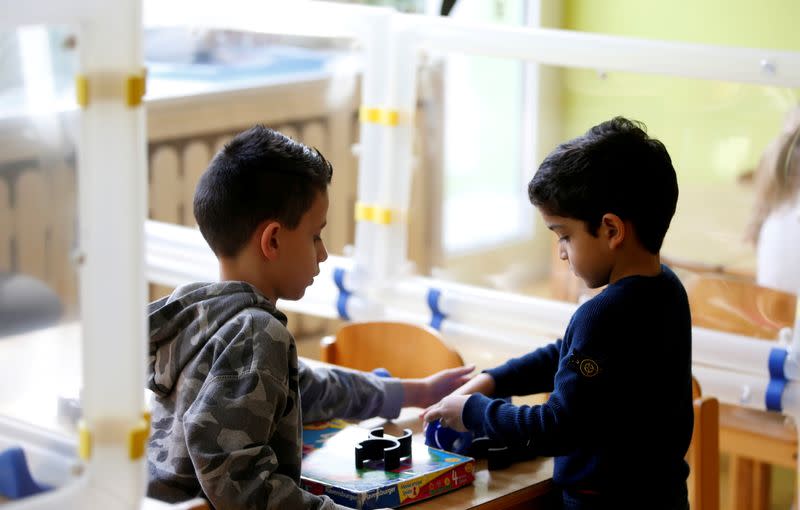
484	197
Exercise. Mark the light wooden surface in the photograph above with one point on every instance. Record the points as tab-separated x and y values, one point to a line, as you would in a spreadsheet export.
405	350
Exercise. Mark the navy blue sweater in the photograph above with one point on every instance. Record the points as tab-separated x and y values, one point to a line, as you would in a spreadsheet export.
619	418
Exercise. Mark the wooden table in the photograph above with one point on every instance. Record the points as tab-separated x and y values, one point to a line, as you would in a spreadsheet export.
525	484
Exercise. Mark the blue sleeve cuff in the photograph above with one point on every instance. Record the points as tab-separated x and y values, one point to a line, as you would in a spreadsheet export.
474	411
392	398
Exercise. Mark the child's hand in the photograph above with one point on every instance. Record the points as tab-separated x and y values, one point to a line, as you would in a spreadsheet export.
441	384
448	412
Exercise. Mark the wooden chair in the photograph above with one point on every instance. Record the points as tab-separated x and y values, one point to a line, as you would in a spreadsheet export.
739	306
405	350
753	439
703	453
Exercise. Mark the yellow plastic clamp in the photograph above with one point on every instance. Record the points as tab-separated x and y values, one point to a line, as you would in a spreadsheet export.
373	213
82	90
106	85
383	116
137	437
135	88
84	441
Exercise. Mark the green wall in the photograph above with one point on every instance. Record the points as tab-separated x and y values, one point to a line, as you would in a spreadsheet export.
713	130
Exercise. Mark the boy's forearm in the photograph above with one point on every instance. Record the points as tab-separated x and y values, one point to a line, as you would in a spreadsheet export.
336	392
416	393
481	383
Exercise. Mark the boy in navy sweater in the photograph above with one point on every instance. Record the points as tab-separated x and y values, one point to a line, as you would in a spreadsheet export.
619	417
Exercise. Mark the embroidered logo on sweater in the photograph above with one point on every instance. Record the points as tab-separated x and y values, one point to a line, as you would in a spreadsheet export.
585	366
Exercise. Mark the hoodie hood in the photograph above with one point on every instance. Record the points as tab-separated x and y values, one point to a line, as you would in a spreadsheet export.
182	323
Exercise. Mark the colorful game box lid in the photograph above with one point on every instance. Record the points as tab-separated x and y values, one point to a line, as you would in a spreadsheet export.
329	468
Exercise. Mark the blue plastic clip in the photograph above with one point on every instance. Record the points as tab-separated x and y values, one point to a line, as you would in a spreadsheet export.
777	379
15	479
344	294
436	313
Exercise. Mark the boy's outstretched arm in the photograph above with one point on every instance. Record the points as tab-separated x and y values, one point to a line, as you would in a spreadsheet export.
481	383
550	428
571	412
429	390
334	392
531	373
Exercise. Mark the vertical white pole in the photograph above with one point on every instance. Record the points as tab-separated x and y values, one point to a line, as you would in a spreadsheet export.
396	173
389	84
375	80
112	197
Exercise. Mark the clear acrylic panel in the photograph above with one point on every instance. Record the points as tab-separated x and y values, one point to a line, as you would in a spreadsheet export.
482	167
40	348
716	133
485	214
205	86
184	61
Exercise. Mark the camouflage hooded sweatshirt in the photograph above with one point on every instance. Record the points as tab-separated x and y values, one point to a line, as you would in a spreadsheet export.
227	414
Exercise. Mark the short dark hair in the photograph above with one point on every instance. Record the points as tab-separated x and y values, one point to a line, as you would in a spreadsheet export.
261	174
614	168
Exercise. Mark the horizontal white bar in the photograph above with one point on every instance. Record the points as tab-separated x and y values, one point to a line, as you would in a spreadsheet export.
566	48
556	47
734	352
744	389
299	17
547	46
49	12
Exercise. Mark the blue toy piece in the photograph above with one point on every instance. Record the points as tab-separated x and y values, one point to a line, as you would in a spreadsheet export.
445	438
498	455
15	479
381	372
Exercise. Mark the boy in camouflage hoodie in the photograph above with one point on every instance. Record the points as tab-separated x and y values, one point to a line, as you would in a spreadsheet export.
231	394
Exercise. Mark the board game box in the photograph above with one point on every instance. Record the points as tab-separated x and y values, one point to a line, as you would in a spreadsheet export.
329	468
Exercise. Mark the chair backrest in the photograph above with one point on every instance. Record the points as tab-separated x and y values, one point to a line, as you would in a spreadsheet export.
703	453
739	306
405	350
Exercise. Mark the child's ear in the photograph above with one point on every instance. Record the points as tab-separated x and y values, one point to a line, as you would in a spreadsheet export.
614	229
268	240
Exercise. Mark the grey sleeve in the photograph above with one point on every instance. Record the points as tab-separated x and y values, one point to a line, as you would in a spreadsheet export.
327	393
235	449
